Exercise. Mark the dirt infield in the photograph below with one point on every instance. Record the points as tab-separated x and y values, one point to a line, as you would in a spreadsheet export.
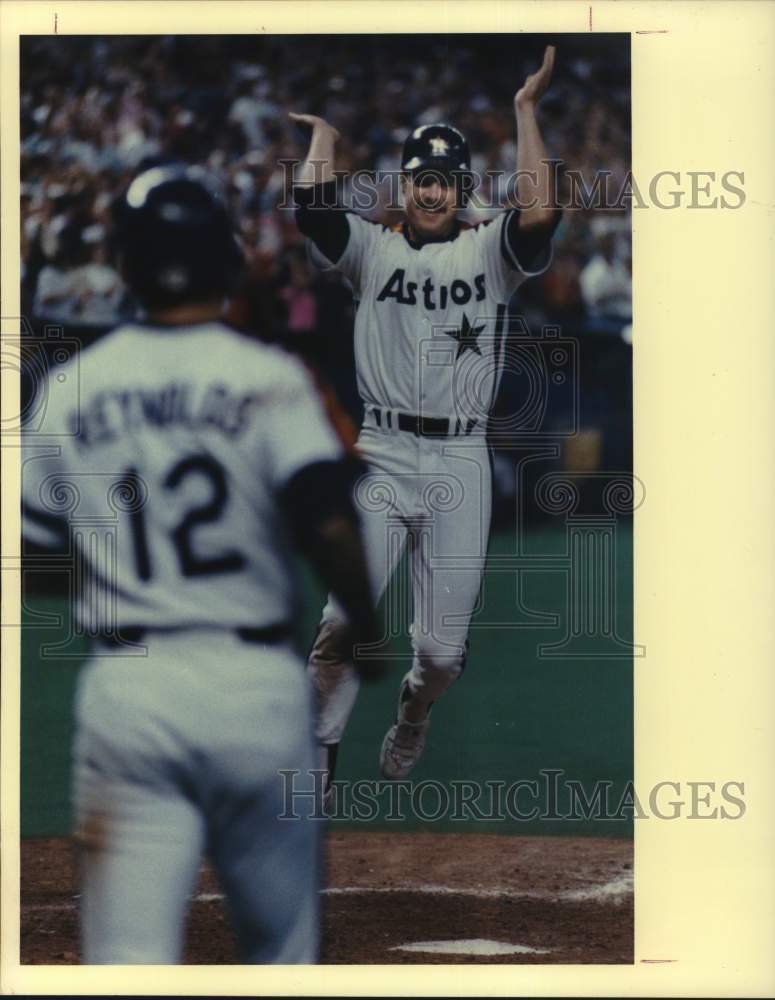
556	899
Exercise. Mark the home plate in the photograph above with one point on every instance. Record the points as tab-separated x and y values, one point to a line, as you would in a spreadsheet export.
471	946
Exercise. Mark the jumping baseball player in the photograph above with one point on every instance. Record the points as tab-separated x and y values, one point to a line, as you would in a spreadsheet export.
181	474
432	297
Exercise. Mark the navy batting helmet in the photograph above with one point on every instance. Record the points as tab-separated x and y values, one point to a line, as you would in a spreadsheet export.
439	149
174	238
436	147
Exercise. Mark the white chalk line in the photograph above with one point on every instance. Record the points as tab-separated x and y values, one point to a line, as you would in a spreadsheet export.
618	890
470	946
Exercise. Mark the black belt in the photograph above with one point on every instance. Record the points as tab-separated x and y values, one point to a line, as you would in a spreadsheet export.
434	427
266	635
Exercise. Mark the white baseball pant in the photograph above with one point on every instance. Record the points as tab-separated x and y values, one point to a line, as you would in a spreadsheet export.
435	495
177	755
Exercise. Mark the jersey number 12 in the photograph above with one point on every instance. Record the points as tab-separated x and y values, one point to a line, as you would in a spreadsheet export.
182	535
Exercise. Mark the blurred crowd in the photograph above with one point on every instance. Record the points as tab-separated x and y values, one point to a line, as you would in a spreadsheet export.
94	110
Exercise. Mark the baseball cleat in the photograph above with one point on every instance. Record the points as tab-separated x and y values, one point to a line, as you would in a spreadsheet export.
404	742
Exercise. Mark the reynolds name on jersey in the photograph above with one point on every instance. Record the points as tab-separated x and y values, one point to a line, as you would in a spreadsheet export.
123	410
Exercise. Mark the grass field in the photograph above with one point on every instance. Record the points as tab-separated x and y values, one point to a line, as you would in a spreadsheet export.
511	715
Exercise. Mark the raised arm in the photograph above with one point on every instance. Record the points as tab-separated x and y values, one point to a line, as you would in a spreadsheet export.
317	214
345	240
318	168
531	222
536	189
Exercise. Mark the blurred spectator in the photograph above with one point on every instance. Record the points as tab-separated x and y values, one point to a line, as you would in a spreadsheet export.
606	284
252	107
55	292
299	299
562	289
97	290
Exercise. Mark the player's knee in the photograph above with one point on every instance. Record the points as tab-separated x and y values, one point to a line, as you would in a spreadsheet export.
443	661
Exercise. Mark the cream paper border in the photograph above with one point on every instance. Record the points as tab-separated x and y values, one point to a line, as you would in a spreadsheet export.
703	87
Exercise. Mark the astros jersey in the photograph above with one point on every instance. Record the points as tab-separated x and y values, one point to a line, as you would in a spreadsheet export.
430	320
159	459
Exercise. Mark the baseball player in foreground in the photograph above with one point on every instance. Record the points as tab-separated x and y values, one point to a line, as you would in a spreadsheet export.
182	475
432	296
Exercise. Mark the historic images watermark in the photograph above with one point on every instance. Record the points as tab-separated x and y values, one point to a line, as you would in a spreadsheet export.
549	796
366	190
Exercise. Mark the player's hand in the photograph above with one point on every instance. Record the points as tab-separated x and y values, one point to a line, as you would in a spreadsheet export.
534	88
316	124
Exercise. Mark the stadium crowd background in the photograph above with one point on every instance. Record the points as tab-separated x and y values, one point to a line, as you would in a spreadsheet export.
95	110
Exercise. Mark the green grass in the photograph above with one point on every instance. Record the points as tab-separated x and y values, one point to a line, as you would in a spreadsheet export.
512	714
48	687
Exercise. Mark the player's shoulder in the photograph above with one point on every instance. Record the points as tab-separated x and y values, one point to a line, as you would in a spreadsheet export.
90	365
359	218
373	229
483	227
264	366
64	374
116	350
136	347
281	369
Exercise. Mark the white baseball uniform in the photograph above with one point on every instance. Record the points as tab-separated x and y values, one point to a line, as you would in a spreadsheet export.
429	348
162	473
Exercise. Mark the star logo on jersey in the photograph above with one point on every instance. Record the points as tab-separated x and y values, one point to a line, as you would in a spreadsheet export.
467	337
439	147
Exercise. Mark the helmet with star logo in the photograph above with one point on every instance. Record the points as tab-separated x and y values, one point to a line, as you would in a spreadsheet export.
442	150
436	147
